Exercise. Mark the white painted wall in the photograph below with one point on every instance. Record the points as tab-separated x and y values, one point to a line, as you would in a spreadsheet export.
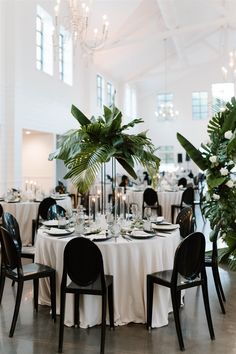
35	165
164	133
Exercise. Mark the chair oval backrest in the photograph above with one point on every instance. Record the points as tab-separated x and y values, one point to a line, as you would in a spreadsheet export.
10	250
10	223
185	219
182	182
44	206
188	196
55	210
150	196
190	256
83	261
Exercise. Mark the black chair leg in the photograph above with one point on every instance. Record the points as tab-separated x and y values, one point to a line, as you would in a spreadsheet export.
111	305
17	307
217	281
61	326
103	326
36	294
149	301
2	283
173	208
53	295
76	310
207	309
177	319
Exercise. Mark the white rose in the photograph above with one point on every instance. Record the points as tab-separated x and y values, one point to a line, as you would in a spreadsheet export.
215	196
229	184
224	171
228	135
213	159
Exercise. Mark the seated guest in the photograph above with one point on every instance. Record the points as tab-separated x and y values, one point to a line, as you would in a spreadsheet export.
60	188
147	179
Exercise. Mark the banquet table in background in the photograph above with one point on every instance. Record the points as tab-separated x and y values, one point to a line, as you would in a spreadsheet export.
129	263
165	198
25	212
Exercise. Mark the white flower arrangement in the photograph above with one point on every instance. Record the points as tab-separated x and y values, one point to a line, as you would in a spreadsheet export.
224	171
228	135
229	183
216	196
213	159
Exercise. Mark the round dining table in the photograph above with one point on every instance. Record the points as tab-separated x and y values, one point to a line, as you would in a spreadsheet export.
25	212
129	262
165	198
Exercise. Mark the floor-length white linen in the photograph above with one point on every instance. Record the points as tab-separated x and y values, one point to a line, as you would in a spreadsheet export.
165	198
25	212
129	263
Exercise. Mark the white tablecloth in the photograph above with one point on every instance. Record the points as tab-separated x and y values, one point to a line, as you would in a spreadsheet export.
25	212
166	199
129	263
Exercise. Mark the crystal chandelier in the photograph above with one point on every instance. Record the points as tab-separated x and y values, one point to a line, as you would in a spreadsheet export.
229	70
165	110
76	23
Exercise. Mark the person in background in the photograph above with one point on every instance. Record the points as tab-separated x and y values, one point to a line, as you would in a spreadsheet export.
125	182
147	179
60	188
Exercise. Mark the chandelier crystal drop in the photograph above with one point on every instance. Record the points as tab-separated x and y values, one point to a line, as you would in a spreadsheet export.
77	24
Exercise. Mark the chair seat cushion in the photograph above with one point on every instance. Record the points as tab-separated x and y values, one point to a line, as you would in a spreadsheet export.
28	250
96	286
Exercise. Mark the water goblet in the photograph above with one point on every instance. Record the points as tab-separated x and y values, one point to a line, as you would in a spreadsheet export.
148	213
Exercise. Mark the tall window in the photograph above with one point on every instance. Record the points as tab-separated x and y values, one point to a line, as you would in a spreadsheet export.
130	107
221	94
166	153
44	45
200	105
110	94
61	56
99	91
65	56
39	43
164	98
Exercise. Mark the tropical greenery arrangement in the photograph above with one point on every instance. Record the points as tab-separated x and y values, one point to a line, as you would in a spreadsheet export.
217	159
96	141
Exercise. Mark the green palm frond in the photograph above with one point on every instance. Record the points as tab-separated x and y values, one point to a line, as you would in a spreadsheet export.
97	140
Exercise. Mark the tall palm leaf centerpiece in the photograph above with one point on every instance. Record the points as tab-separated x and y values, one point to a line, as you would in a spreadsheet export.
96	141
218	158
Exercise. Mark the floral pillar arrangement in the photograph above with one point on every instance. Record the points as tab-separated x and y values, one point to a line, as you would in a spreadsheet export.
217	159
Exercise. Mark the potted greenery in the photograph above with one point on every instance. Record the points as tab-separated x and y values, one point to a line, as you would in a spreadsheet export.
96	141
217	159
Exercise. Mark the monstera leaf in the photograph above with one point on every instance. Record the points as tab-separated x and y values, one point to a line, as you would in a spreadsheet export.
194	153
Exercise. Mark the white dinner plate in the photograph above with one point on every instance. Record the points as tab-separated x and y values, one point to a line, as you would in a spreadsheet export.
52	223
139	234
59	232
165	227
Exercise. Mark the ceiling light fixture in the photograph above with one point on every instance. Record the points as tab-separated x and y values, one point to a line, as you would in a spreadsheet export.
77	25
165	108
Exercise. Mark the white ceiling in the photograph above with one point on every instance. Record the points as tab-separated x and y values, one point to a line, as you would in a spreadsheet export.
196	32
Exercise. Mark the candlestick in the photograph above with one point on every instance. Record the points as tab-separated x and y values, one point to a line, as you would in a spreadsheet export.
124	206
93	208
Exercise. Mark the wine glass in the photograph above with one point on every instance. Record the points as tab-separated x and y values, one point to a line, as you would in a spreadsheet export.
134	210
148	213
